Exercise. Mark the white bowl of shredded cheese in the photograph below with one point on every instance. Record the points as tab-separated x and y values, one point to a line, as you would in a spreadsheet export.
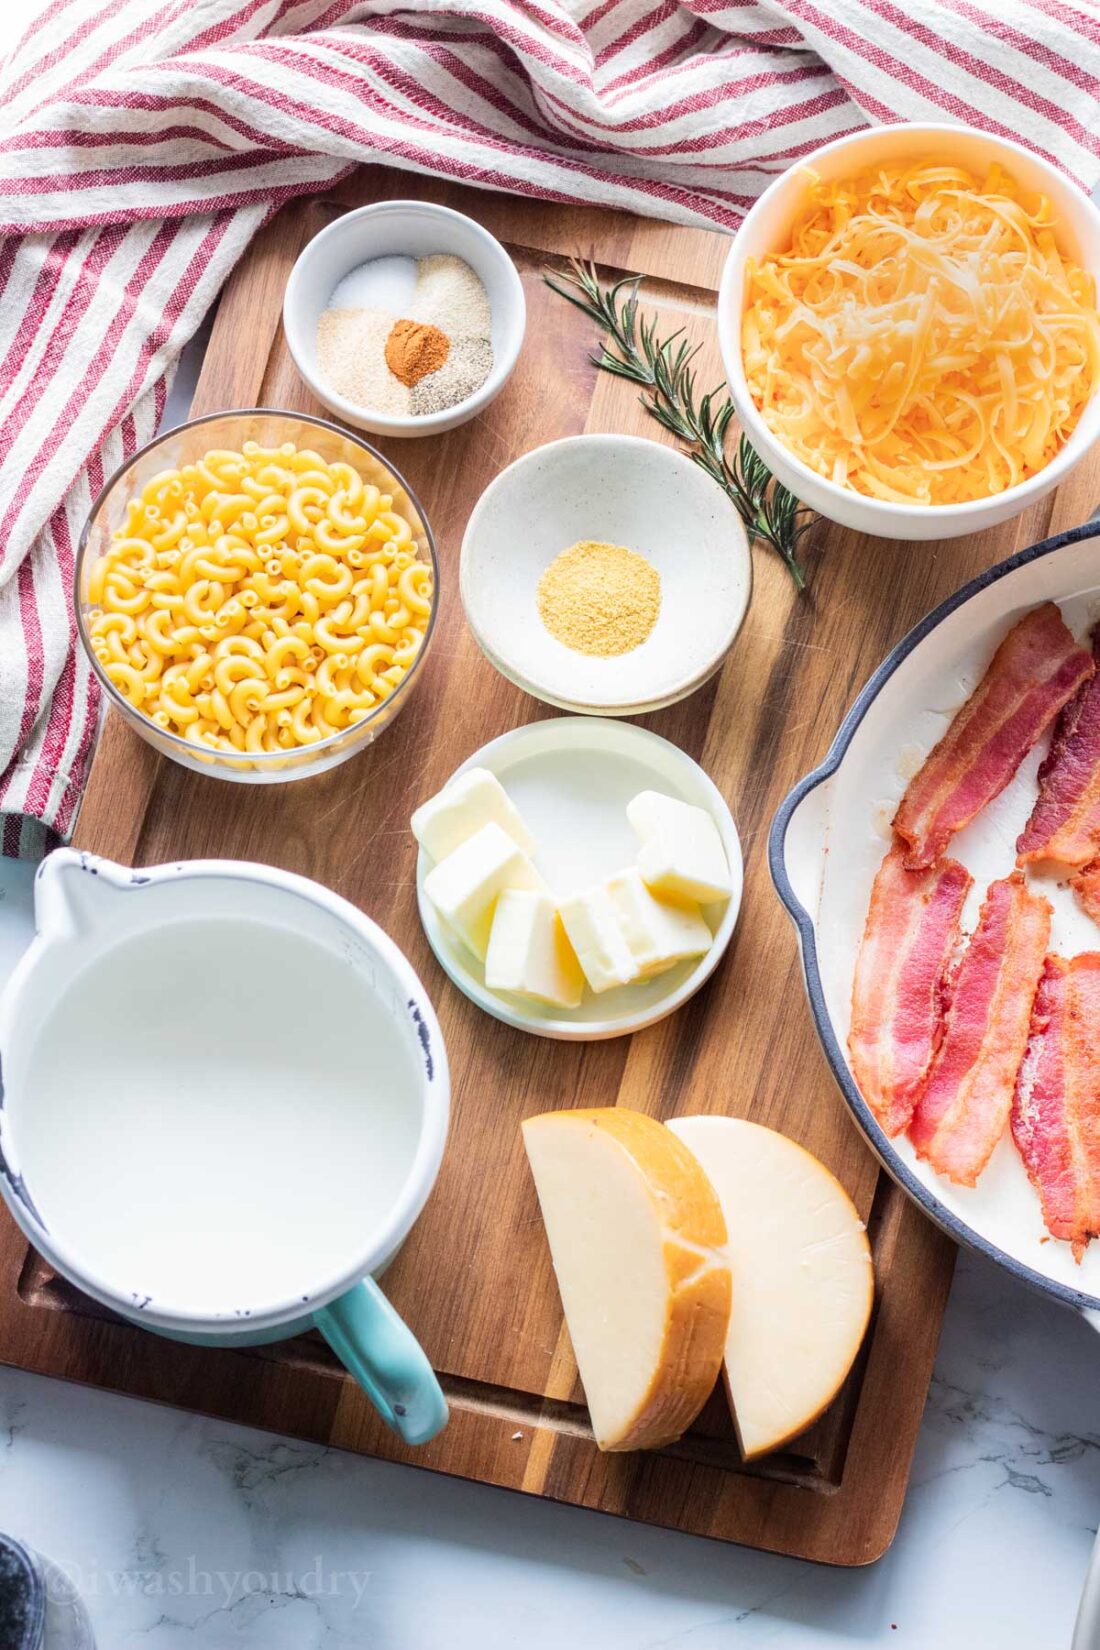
930	364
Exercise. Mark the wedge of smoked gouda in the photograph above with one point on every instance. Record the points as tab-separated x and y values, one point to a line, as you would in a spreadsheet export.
802	1276
636	1237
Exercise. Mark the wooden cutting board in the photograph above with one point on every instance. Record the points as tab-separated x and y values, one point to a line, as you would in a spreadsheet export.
474	1278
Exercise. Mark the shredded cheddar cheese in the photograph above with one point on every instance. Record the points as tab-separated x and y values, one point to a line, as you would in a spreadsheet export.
922	340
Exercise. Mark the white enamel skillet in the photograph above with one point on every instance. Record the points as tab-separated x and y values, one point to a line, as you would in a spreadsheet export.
827	841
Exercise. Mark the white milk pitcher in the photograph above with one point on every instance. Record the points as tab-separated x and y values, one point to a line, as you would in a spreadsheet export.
225	1102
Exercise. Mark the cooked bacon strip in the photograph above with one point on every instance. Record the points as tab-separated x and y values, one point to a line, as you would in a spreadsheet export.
1035	671
1086	888
901	972
1065	821
1056	1108
963	1107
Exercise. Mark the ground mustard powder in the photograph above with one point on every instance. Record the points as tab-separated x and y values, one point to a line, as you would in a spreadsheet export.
599	598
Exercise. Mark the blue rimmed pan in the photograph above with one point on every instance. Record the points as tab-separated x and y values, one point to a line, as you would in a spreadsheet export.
827	841
831	832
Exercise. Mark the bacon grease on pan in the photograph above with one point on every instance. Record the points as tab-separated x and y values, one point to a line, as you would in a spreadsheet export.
1086	889
963	1107
1035	671
1056	1107
898	995
1065	821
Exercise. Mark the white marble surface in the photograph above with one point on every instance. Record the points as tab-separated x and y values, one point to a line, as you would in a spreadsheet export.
187	1532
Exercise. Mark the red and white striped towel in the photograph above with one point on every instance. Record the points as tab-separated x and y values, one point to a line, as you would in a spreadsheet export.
142	144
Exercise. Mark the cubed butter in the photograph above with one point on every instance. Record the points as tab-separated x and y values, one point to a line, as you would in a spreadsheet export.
681	852
659	932
476	798
465	887
529	951
596	935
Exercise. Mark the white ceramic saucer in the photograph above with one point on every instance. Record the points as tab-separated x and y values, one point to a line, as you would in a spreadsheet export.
572	778
623	490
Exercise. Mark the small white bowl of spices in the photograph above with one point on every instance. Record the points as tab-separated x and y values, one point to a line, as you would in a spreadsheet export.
403	318
605	574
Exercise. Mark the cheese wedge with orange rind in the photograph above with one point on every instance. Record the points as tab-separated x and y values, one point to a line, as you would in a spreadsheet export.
802	1276
637	1239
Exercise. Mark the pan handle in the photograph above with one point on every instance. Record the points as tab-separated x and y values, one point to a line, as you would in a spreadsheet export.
797	849
1086	1631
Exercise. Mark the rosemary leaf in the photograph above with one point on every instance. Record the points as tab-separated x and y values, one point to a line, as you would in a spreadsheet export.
662	368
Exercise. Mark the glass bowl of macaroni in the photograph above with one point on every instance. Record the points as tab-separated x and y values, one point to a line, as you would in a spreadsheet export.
256	592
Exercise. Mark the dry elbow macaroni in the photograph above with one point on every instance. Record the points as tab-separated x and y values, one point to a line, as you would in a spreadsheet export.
259	601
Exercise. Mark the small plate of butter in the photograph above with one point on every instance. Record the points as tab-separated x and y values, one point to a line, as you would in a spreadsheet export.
578	878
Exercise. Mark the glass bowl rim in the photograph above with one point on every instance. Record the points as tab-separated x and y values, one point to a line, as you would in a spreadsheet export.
297	755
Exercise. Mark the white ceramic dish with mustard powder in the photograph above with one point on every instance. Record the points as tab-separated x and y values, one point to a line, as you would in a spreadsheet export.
571	779
624	491
411	229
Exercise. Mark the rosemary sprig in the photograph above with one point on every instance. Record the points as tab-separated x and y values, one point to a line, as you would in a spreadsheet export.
662	368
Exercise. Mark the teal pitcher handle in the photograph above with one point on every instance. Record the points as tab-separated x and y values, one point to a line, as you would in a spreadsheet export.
379	1349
